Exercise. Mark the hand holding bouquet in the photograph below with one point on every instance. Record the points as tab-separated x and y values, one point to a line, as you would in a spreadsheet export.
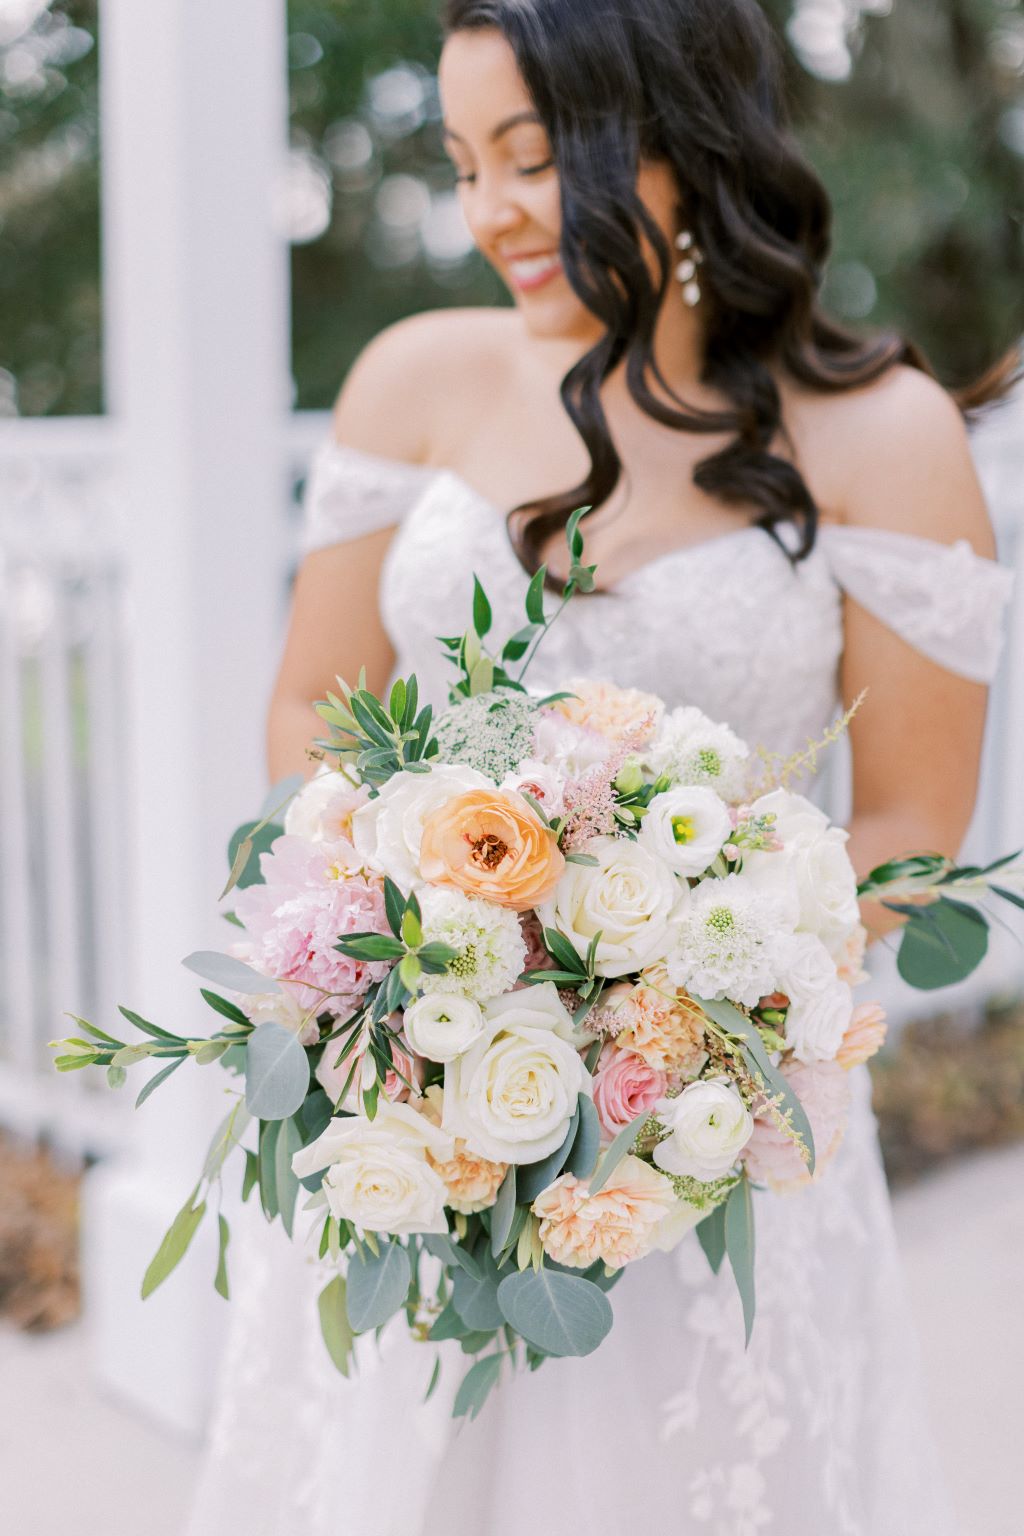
530	991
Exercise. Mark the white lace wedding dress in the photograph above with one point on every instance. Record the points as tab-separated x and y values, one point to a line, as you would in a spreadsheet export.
818	1429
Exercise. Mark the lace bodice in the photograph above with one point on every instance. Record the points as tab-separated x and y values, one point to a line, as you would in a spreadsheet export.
728	624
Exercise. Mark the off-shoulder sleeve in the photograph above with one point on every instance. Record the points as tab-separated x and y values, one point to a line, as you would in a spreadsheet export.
943	599
349	493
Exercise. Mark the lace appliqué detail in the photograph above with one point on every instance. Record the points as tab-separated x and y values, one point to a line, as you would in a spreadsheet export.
349	493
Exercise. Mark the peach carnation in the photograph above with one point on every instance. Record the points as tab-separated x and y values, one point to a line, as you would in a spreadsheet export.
659	1022
491	843
617	713
471	1182
865	1034
771	1156
616	1225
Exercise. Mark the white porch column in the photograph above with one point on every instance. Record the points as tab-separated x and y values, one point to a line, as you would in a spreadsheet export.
194	126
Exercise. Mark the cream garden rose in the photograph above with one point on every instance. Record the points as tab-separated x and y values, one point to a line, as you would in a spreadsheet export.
709	1124
377	1171
630	897
388	830
511	1096
813	865
323	809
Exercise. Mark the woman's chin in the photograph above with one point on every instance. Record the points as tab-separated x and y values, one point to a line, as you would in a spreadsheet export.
557	314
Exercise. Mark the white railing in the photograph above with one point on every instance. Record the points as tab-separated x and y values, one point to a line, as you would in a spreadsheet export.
65	906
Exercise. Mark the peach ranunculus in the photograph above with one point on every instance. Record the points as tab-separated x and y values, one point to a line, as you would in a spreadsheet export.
658	1021
624	1086
616	1225
472	1182
618	713
771	1157
491	843
865	1034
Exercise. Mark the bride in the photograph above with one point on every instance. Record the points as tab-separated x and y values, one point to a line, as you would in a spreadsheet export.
783	515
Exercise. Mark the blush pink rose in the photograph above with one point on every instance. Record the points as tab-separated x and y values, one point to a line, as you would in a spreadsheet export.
624	1086
771	1157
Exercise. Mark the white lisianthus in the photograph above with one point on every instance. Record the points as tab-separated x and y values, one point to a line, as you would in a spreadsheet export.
692	749
441	1027
726	939
570	749
813	863
540	780
488	939
686	827
388	830
511	1096
322	810
377	1174
629	896
710	1126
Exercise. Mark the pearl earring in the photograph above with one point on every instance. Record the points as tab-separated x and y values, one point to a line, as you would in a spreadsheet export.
686	271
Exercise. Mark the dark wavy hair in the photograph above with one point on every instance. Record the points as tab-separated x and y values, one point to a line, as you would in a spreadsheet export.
697	84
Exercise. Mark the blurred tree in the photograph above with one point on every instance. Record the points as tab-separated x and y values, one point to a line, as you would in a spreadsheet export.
912	110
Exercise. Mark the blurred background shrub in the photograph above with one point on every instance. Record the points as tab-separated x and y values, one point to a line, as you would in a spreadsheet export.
912	111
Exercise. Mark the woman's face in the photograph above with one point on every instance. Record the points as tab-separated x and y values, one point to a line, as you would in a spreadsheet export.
508	184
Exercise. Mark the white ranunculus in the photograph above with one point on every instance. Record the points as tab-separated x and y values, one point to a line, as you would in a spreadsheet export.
377	1174
686	828
816	1024
511	1096
441	1027
629	896
309	814
388	830
710	1126
813	864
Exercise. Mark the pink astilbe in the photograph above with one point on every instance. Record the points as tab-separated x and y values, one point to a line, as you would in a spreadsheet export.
314	893
591	798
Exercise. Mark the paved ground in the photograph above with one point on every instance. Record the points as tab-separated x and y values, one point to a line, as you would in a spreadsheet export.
73	1463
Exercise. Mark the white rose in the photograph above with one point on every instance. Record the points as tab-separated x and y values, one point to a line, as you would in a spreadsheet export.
816	1024
512	1094
686	828
309	813
377	1173
629	896
542	781
813	864
671	1229
710	1126
388	830
441	1027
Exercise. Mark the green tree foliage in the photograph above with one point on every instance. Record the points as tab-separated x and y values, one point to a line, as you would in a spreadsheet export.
912	110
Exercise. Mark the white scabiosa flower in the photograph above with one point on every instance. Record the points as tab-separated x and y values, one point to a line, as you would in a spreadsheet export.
726	939
686	828
692	749
491	950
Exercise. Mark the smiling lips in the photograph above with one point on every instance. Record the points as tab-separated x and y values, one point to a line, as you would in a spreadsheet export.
530	272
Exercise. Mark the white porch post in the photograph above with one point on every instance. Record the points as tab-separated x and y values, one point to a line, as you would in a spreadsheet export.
194	126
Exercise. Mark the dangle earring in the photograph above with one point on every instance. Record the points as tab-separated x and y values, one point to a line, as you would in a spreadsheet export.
686	270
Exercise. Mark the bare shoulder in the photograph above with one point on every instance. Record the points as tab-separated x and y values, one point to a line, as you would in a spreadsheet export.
899	457
416	370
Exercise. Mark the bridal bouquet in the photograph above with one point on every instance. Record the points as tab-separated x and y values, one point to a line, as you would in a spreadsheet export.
529	991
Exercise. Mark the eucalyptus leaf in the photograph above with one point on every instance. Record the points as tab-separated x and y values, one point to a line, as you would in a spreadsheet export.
286	1185
587	1142
251	839
476	1299
335	1325
448	1325
252	1173
503	1212
220	1282
532	1178
277	1075
476	1386
268	1135
228	972
451	1253
942	943
711	1233
377	1286
622	1144
561	1314
174	1244
739	1245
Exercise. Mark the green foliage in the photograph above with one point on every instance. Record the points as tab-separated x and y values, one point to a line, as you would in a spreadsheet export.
377	1285
175	1244
277	1072
558	1313
334	1324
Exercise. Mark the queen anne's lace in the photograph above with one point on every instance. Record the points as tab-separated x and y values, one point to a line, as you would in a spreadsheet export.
672	1425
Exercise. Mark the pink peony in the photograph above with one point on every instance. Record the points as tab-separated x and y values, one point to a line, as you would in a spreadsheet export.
771	1157
624	1086
616	1225
313	894
865	1034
